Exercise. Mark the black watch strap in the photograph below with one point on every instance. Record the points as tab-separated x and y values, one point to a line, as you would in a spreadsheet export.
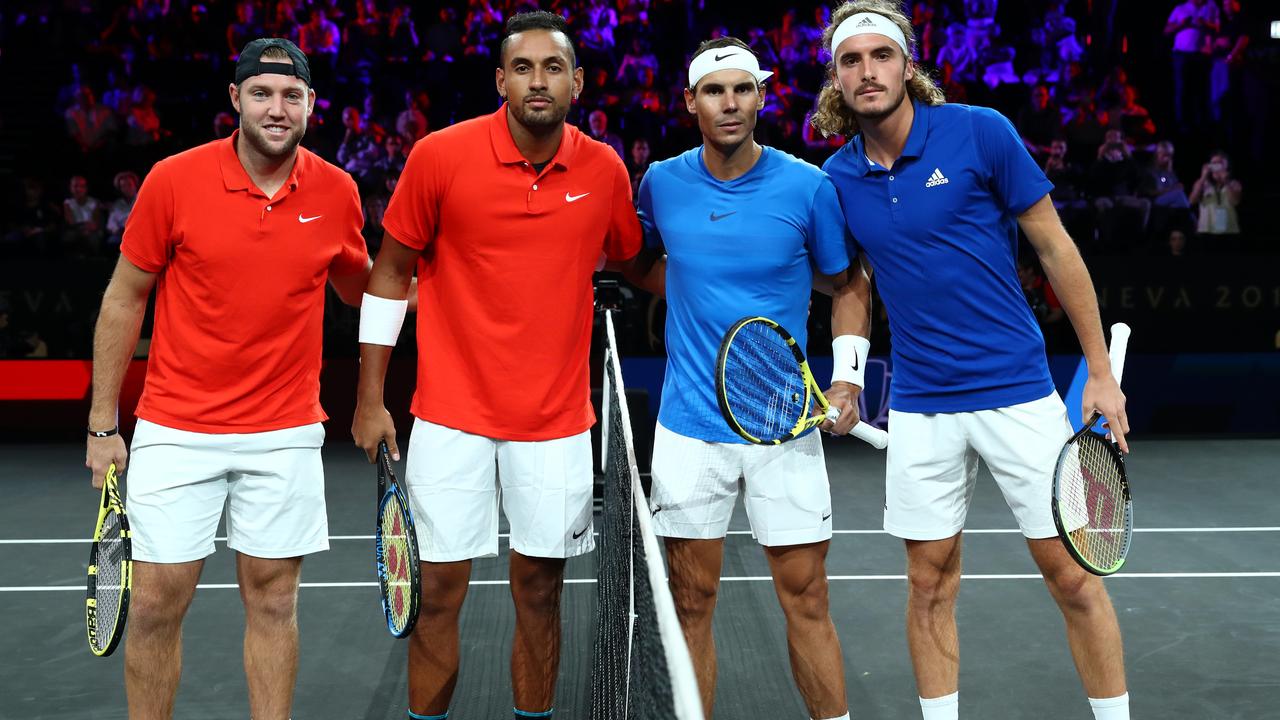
105	433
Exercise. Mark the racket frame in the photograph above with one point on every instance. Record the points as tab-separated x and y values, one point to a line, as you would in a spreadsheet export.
812	393
110	502
1065	535
389	489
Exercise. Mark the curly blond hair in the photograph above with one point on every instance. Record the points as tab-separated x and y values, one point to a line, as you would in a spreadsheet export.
833	116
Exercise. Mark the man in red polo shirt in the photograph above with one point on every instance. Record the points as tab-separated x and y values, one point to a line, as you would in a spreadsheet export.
239	237
505	218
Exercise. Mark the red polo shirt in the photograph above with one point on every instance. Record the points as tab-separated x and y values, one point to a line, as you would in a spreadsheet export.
504	282
240	297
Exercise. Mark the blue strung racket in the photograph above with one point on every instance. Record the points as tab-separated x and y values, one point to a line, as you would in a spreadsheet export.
766	391
396	547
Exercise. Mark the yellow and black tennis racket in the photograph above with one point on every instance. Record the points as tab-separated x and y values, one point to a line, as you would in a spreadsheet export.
1092	508
766	391
396	547
106	604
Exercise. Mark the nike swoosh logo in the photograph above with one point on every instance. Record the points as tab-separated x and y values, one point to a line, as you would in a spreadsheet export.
579	533
826	517
855	361
718	218
656	510
575	198
305	220
721	57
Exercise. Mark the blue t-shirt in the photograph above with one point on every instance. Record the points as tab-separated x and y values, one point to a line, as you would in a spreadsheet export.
747	246
940	231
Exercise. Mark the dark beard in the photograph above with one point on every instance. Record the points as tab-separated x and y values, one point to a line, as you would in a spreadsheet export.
541	122
256	140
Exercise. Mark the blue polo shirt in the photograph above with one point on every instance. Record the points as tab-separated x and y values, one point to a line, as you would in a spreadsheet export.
747	246
940	231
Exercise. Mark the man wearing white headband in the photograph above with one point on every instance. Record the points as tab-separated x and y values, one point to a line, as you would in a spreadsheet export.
934	194
744	228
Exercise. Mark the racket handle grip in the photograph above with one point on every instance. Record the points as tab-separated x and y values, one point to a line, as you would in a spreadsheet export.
870	434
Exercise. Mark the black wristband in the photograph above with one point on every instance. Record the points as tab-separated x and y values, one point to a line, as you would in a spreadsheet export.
104	433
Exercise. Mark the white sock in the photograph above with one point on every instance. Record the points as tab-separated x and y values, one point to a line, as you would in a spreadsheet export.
946	707
1116	708
842	717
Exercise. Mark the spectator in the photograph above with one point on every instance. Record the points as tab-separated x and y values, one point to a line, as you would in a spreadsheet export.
959	54
35	220
1122	213
402	35
395	151
244	29
1176	245
1133	120
224	123
126	183
82	217
1191	24
637	59
1040	122
638	163
320	39
598	125
359	149
363	36
90	125
412	122
284	22
1068	193
443	40
1218	195
143	125
1162	184
1227	51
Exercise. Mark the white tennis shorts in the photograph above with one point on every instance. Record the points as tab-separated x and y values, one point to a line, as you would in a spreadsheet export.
933	464
272	484
695	485
456	480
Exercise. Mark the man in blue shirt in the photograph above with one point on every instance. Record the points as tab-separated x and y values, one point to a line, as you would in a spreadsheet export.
934	195
744	228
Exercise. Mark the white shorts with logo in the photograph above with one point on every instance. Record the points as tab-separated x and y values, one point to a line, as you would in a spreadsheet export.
272	484
456	479
933	464
695	485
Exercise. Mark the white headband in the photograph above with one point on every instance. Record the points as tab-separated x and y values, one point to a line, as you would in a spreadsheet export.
868	23
730	57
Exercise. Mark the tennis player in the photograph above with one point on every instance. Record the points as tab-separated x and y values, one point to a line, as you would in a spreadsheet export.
934	195
744	228
505	219
239	237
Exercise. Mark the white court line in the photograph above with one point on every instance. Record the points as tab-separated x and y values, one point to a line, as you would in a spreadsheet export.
979	531
745	578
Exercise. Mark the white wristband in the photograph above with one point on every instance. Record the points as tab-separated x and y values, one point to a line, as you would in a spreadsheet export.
380	319
849	353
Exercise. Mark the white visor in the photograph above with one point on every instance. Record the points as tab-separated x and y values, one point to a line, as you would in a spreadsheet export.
868	24
731	57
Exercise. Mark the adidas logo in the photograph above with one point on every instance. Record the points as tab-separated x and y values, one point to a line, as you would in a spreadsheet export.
866	21
936	179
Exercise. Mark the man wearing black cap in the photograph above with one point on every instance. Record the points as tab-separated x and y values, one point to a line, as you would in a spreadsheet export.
239	237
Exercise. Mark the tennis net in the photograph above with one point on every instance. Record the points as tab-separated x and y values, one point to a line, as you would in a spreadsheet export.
640	666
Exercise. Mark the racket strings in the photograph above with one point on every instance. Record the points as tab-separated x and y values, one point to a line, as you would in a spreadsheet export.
397	560
763	383
1095	502
109	580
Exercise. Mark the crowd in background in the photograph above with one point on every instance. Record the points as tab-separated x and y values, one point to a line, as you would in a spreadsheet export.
108	88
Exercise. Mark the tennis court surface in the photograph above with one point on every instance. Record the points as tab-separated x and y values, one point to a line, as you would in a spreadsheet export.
1198	601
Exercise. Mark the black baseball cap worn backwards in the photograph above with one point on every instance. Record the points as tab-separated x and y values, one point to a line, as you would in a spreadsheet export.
250	62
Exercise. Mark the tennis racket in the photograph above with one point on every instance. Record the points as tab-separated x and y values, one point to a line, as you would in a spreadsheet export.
766	391
1091	505
106	604
396	546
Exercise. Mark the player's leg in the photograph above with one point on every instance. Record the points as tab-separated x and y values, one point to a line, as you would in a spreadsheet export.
546	496
175	492
788	499
451	481
159	600
800	579
275	515
536	583
1021	444
695	484
929	479
694	567
269	590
